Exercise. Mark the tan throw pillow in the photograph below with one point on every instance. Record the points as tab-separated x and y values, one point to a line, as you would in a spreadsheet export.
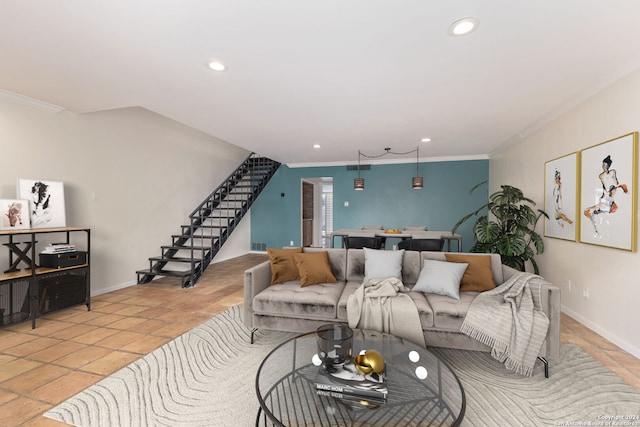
478	277
283	267
314	268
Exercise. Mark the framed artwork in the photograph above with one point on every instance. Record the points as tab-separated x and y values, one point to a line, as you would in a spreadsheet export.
561	190
15	215
608	193
46	202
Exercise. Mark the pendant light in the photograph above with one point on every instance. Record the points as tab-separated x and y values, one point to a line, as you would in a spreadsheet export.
417	182
358	183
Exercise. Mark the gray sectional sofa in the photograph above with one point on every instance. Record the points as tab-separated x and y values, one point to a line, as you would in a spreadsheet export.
290	307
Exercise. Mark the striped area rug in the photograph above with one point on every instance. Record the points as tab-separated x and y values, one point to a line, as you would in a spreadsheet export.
206	377
580	391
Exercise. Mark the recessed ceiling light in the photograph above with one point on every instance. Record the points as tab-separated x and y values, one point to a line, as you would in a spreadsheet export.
316	146
425	140
463	26
217	66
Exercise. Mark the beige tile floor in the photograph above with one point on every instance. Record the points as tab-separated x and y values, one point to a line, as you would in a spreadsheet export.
72	349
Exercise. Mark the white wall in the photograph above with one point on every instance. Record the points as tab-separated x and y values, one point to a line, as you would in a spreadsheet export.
240	241
130	175
610	275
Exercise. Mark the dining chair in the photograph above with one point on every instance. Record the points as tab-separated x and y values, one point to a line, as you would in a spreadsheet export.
422	244
358	242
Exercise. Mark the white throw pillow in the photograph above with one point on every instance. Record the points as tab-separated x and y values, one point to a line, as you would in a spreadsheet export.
381	264
441	277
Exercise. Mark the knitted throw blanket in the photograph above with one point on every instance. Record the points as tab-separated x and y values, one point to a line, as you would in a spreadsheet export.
510	320
382	305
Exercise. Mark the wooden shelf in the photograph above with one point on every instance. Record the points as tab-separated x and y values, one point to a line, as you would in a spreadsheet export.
27	272
72	280
46	270
42	230
15	275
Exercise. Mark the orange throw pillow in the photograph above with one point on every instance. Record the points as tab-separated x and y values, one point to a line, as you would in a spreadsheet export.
478	277
283	267
314	268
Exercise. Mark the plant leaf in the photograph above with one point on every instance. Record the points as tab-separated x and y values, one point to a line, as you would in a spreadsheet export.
486	231
512	245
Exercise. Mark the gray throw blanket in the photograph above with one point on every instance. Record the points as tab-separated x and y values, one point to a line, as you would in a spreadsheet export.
381	305
510	320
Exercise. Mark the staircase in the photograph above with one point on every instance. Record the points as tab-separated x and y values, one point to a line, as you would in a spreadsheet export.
211	224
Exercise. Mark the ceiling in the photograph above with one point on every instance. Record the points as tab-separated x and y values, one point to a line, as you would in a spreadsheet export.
348	75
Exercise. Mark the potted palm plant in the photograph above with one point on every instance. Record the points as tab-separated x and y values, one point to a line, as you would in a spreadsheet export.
510	231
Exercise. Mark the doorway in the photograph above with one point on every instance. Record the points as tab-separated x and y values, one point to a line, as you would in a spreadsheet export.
317	212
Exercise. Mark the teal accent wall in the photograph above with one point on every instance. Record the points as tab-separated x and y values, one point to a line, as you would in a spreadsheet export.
387	199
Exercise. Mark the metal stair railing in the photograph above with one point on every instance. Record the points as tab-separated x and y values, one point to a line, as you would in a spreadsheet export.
227	213
215	218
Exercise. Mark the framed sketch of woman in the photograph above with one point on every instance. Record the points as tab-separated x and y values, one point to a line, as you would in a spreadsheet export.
609	194
46	202
561	197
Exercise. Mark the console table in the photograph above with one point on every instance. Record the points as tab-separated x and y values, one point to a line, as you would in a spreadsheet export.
28	292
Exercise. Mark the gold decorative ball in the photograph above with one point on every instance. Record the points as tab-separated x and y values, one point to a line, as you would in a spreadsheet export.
369	361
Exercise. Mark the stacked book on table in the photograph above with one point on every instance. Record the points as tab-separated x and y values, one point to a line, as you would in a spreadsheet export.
345	382
58	248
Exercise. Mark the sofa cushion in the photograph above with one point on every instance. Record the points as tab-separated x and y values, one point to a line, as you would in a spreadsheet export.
349	289
448	313
424	309
314	268
337	259
440	277
478	277
283	267
381	264
496	262
289	299
411	264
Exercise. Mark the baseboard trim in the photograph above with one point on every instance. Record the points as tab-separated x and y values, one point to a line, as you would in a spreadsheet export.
629	348
112	288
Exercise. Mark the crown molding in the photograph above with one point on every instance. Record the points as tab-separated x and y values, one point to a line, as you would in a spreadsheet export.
624	70
28	101
390	161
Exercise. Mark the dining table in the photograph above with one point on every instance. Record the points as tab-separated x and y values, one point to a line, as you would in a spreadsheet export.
402	235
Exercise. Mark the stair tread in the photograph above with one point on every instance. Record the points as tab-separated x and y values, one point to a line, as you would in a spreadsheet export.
186	248
207	226
173	259
159	272
229	208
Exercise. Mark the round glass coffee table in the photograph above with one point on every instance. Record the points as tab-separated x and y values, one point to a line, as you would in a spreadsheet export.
422	390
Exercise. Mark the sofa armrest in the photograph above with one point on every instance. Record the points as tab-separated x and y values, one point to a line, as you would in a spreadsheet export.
551	305
256	279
